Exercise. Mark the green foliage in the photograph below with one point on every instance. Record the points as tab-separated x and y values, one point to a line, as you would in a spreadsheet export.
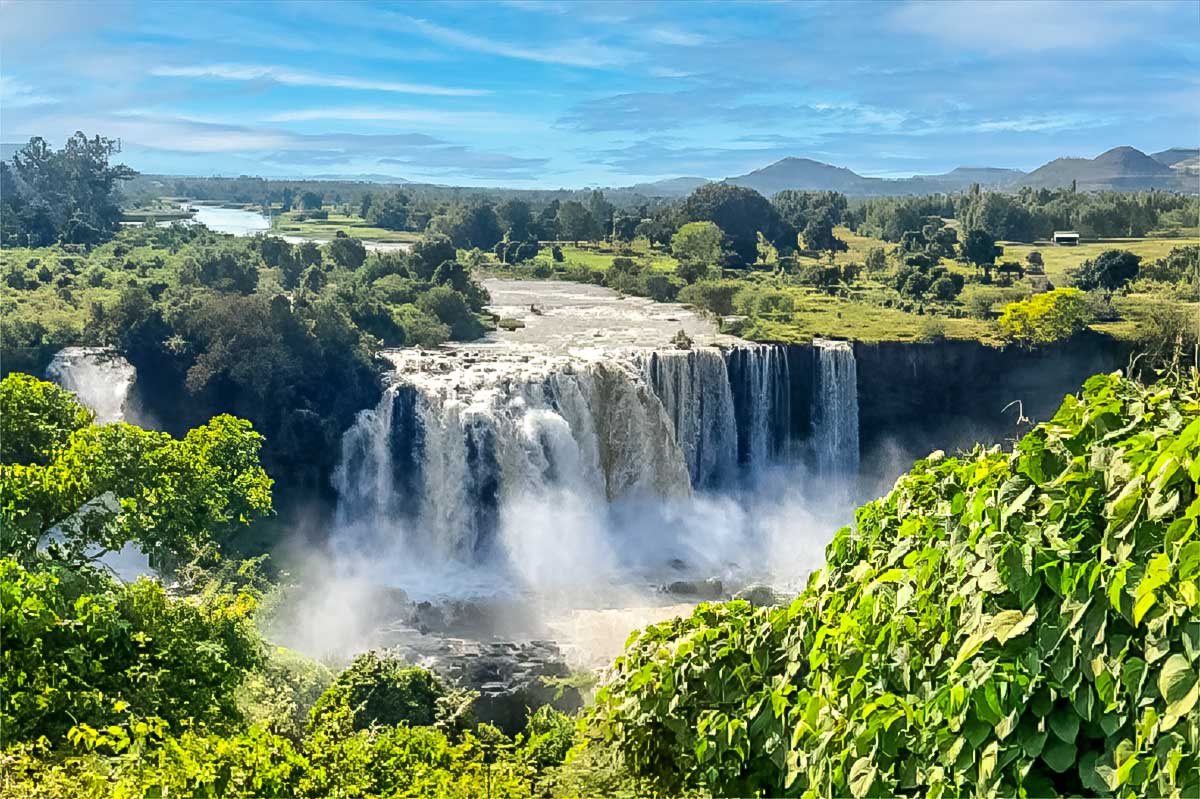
281	695
80	647
67	195
1045	318
1007	624
376	690
37	419
698	246
979	248
741	214
1110	270
106	485
711	296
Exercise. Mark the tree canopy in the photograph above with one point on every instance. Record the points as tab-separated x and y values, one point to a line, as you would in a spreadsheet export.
67	195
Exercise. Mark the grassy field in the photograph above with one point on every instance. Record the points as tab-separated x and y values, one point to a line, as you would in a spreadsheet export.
286	224
1061	260
864	316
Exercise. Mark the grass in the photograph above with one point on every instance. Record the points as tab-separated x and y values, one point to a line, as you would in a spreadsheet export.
820	315
1060	261
287	224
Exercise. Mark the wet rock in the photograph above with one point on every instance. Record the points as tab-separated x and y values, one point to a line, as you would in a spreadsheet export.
712	588
760	596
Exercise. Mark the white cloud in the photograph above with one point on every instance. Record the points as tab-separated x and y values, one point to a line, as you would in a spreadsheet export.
1013	26
291	77
408	116
664	34
15	94
575	53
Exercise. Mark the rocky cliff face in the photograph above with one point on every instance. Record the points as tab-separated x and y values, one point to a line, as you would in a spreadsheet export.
949	394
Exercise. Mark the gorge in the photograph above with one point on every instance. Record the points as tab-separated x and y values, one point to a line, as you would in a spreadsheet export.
591	457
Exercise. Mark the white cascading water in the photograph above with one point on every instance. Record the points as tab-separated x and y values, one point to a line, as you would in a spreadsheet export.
762	383
472	454
693	386
98	376
835	410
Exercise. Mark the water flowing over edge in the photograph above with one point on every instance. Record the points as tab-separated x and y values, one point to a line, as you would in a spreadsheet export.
540	464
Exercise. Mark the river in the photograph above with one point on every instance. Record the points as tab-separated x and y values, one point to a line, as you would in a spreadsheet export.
241	222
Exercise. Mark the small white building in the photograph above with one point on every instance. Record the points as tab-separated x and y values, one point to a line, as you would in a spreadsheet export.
1066	238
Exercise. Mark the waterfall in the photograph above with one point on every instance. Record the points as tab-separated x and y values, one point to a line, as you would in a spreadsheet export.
694	388
502	456
762	403
835	410
99	377
454	442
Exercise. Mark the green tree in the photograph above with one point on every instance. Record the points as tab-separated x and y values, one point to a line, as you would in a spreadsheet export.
818	233
101	487
1045	318
1032	601
516	219
740	213
67	195
980	249
876	261
453	310
1110	270
575	223
84	649
389	212
346	252
698	246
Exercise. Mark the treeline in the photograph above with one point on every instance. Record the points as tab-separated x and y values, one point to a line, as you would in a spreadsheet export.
1030	214
279	334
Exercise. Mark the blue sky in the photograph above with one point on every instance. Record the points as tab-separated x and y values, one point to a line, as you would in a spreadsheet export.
576	93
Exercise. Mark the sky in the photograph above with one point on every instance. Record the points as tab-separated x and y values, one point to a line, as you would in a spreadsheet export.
570	94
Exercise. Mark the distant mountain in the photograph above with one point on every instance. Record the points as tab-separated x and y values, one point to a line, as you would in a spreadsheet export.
804	174
366	177
807	175
669	187
1118	169
986	176
1175	155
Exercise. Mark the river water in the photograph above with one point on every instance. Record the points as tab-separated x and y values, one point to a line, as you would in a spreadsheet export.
241	222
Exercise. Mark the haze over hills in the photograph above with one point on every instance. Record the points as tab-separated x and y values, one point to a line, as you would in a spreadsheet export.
1121	168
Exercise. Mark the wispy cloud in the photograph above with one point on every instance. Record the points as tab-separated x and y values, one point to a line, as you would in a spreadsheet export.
1007	26
574	53
291	77
478	120
15	94
677	37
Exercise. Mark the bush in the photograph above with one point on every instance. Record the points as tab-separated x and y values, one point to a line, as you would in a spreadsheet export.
1012	624
80	647
711	296
1045	318
377	690
1110	270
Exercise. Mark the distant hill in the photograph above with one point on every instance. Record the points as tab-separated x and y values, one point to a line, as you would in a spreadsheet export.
1175	155
804	174
808	175
669	187
1118	169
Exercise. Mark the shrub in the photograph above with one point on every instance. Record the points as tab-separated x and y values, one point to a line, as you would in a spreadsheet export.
1045	318
379	690
1013	624
79	647
1110	270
